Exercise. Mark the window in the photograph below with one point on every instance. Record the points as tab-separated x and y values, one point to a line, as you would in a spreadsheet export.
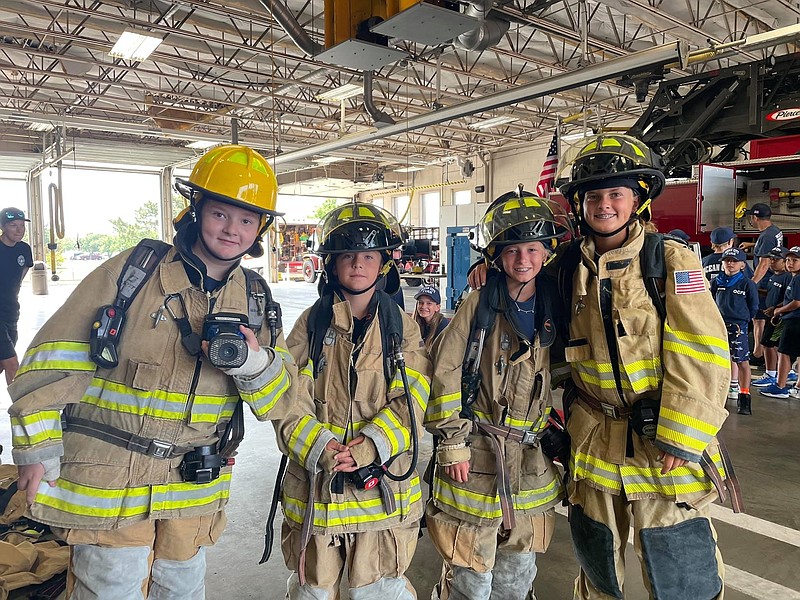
462	197
430	209
399	206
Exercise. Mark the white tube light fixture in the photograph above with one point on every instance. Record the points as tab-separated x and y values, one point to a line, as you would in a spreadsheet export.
202	144
134	45
326	160
409	169
573	137
493	122
343	92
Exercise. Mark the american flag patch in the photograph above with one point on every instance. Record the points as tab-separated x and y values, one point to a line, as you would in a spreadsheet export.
689	282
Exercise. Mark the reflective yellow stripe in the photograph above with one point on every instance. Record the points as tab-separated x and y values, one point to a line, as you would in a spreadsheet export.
340	432
398	434
303	437
353	512
157	403
683	480
584	466
443	406
38	427
488	505
57	356
599	374
684	429
265	399
705	348
88	501
644	374
524	424
418	386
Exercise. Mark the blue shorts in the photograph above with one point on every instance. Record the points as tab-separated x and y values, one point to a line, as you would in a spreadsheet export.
738	343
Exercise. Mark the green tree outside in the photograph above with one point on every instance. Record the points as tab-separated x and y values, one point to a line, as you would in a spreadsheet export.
323	209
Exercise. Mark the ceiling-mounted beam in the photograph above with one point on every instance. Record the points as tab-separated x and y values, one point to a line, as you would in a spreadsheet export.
632	63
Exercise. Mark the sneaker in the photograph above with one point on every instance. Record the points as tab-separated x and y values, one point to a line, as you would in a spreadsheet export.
795	393
792	377
733	393
765	380
774	391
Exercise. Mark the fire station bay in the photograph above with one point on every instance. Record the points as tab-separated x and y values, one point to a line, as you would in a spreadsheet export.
396	299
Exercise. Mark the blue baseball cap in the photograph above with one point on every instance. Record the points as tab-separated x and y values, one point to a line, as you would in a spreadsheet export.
721	235
760	210
734	254
778	252
429	290
680	234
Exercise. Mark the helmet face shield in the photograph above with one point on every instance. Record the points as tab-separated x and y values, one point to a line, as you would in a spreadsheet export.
611	157
516	220
359	227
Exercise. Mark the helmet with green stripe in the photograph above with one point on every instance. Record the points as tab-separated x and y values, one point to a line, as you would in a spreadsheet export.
361	227
610	160
518	217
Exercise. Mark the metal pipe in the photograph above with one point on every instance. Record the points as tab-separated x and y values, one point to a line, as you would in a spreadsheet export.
379	118
487	34
635	62
293	29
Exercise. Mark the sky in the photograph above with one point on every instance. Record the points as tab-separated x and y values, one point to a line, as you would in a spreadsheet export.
92	198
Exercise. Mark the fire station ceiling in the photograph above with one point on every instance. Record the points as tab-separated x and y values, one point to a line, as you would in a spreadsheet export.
230	65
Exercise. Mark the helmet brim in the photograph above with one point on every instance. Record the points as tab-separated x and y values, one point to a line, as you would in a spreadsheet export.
187	189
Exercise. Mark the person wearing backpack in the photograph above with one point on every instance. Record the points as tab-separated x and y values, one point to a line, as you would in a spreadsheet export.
124	419
650	386
352	498
493	490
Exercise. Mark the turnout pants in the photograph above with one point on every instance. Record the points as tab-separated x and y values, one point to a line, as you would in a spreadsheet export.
376	562
157	560
488	563
676	546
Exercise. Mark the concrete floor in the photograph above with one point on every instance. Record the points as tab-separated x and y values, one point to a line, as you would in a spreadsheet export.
761	549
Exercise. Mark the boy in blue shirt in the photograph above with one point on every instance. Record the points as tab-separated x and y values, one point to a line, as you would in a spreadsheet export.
776	288
722	238
789	313
737	299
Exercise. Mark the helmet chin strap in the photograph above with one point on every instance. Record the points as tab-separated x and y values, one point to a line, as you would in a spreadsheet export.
384	270
607	235
500	268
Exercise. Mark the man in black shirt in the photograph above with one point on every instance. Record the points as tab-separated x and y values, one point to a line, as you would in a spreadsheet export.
15	260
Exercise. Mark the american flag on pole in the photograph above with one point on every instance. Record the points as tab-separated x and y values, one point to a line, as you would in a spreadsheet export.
689	282
547	178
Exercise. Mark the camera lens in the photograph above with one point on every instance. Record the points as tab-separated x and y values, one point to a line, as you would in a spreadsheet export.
227	351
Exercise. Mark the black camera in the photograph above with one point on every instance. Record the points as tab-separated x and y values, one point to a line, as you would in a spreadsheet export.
367	477
227	348
202	464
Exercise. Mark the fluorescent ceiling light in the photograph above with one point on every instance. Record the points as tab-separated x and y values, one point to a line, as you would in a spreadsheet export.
409	169
133	45
343	92
493	122
326	160
572	137
40	126
202	144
